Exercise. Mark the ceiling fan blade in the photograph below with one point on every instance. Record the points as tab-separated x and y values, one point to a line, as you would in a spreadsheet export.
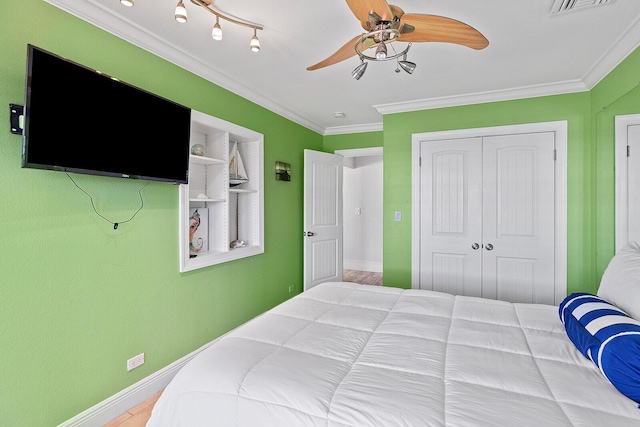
362	8
345	52
397	12
433	28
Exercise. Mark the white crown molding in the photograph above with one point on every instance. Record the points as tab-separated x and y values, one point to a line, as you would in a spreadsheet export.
341	130
97	15
483	97
621	48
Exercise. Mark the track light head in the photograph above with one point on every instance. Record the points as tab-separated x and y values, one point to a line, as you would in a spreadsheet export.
181	13
254	45
359	70
407	66
216	33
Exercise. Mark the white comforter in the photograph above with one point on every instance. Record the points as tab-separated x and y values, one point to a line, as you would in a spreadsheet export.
343	354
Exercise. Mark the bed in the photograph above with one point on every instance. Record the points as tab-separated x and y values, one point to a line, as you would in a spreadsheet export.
343	354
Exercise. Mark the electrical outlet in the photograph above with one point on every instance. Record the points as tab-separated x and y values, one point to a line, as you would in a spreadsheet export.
135	361
291	288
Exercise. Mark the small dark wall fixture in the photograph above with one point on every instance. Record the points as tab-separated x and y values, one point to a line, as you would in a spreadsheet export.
283	171
16	118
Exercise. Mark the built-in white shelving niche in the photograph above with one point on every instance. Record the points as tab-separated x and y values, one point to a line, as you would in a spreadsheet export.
226	214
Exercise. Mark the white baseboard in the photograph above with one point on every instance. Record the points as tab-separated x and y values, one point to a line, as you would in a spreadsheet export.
105	411
361	265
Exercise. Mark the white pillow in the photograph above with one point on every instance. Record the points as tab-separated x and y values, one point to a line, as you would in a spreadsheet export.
620	284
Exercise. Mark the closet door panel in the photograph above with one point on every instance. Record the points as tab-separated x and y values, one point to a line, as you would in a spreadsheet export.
518	212
633	187
451	222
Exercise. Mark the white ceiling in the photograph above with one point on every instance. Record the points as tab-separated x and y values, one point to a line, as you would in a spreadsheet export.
531	52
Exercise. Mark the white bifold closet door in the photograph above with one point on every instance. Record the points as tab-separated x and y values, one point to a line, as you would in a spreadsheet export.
487	224
627	168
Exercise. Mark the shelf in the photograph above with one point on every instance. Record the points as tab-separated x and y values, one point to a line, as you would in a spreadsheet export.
241	190
223	215
202	160
195	200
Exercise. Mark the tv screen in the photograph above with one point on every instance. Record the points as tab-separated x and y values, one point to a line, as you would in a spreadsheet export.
79	120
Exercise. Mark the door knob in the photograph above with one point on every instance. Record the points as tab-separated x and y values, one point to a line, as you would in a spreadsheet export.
475	246
489	246
310	233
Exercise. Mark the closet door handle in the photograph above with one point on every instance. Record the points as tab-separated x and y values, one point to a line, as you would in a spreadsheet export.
310	234
475	246
489	246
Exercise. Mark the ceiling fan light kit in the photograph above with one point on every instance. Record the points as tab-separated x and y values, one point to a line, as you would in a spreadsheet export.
359	70
385	24
381	36
180	16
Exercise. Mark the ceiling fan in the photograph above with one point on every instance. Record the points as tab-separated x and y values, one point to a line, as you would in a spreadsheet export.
385	23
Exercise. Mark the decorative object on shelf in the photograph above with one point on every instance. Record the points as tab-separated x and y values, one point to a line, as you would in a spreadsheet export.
283	171
237	243
198	150
198	230
237	172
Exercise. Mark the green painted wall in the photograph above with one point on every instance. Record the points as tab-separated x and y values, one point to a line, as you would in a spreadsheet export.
590	181
617	94
398	130
352	141
77	298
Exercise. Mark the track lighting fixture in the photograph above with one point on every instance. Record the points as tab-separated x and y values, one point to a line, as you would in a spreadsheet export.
255	43
216	33
180	15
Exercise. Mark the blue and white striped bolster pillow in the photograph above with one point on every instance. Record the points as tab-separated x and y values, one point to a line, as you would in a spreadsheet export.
606	335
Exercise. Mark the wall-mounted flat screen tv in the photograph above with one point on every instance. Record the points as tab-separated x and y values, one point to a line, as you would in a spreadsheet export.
79	120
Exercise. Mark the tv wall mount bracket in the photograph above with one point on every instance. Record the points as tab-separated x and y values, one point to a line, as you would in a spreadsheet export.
16	118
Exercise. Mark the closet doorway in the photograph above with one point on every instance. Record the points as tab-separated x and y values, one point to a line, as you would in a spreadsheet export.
490	212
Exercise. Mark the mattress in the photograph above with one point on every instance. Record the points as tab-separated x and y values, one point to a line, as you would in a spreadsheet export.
343	354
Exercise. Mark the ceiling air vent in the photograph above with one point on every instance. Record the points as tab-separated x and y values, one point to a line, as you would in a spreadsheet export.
569	5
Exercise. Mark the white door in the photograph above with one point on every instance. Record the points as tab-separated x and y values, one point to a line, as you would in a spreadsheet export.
322	218
487	217
518	218
627	179
451	208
